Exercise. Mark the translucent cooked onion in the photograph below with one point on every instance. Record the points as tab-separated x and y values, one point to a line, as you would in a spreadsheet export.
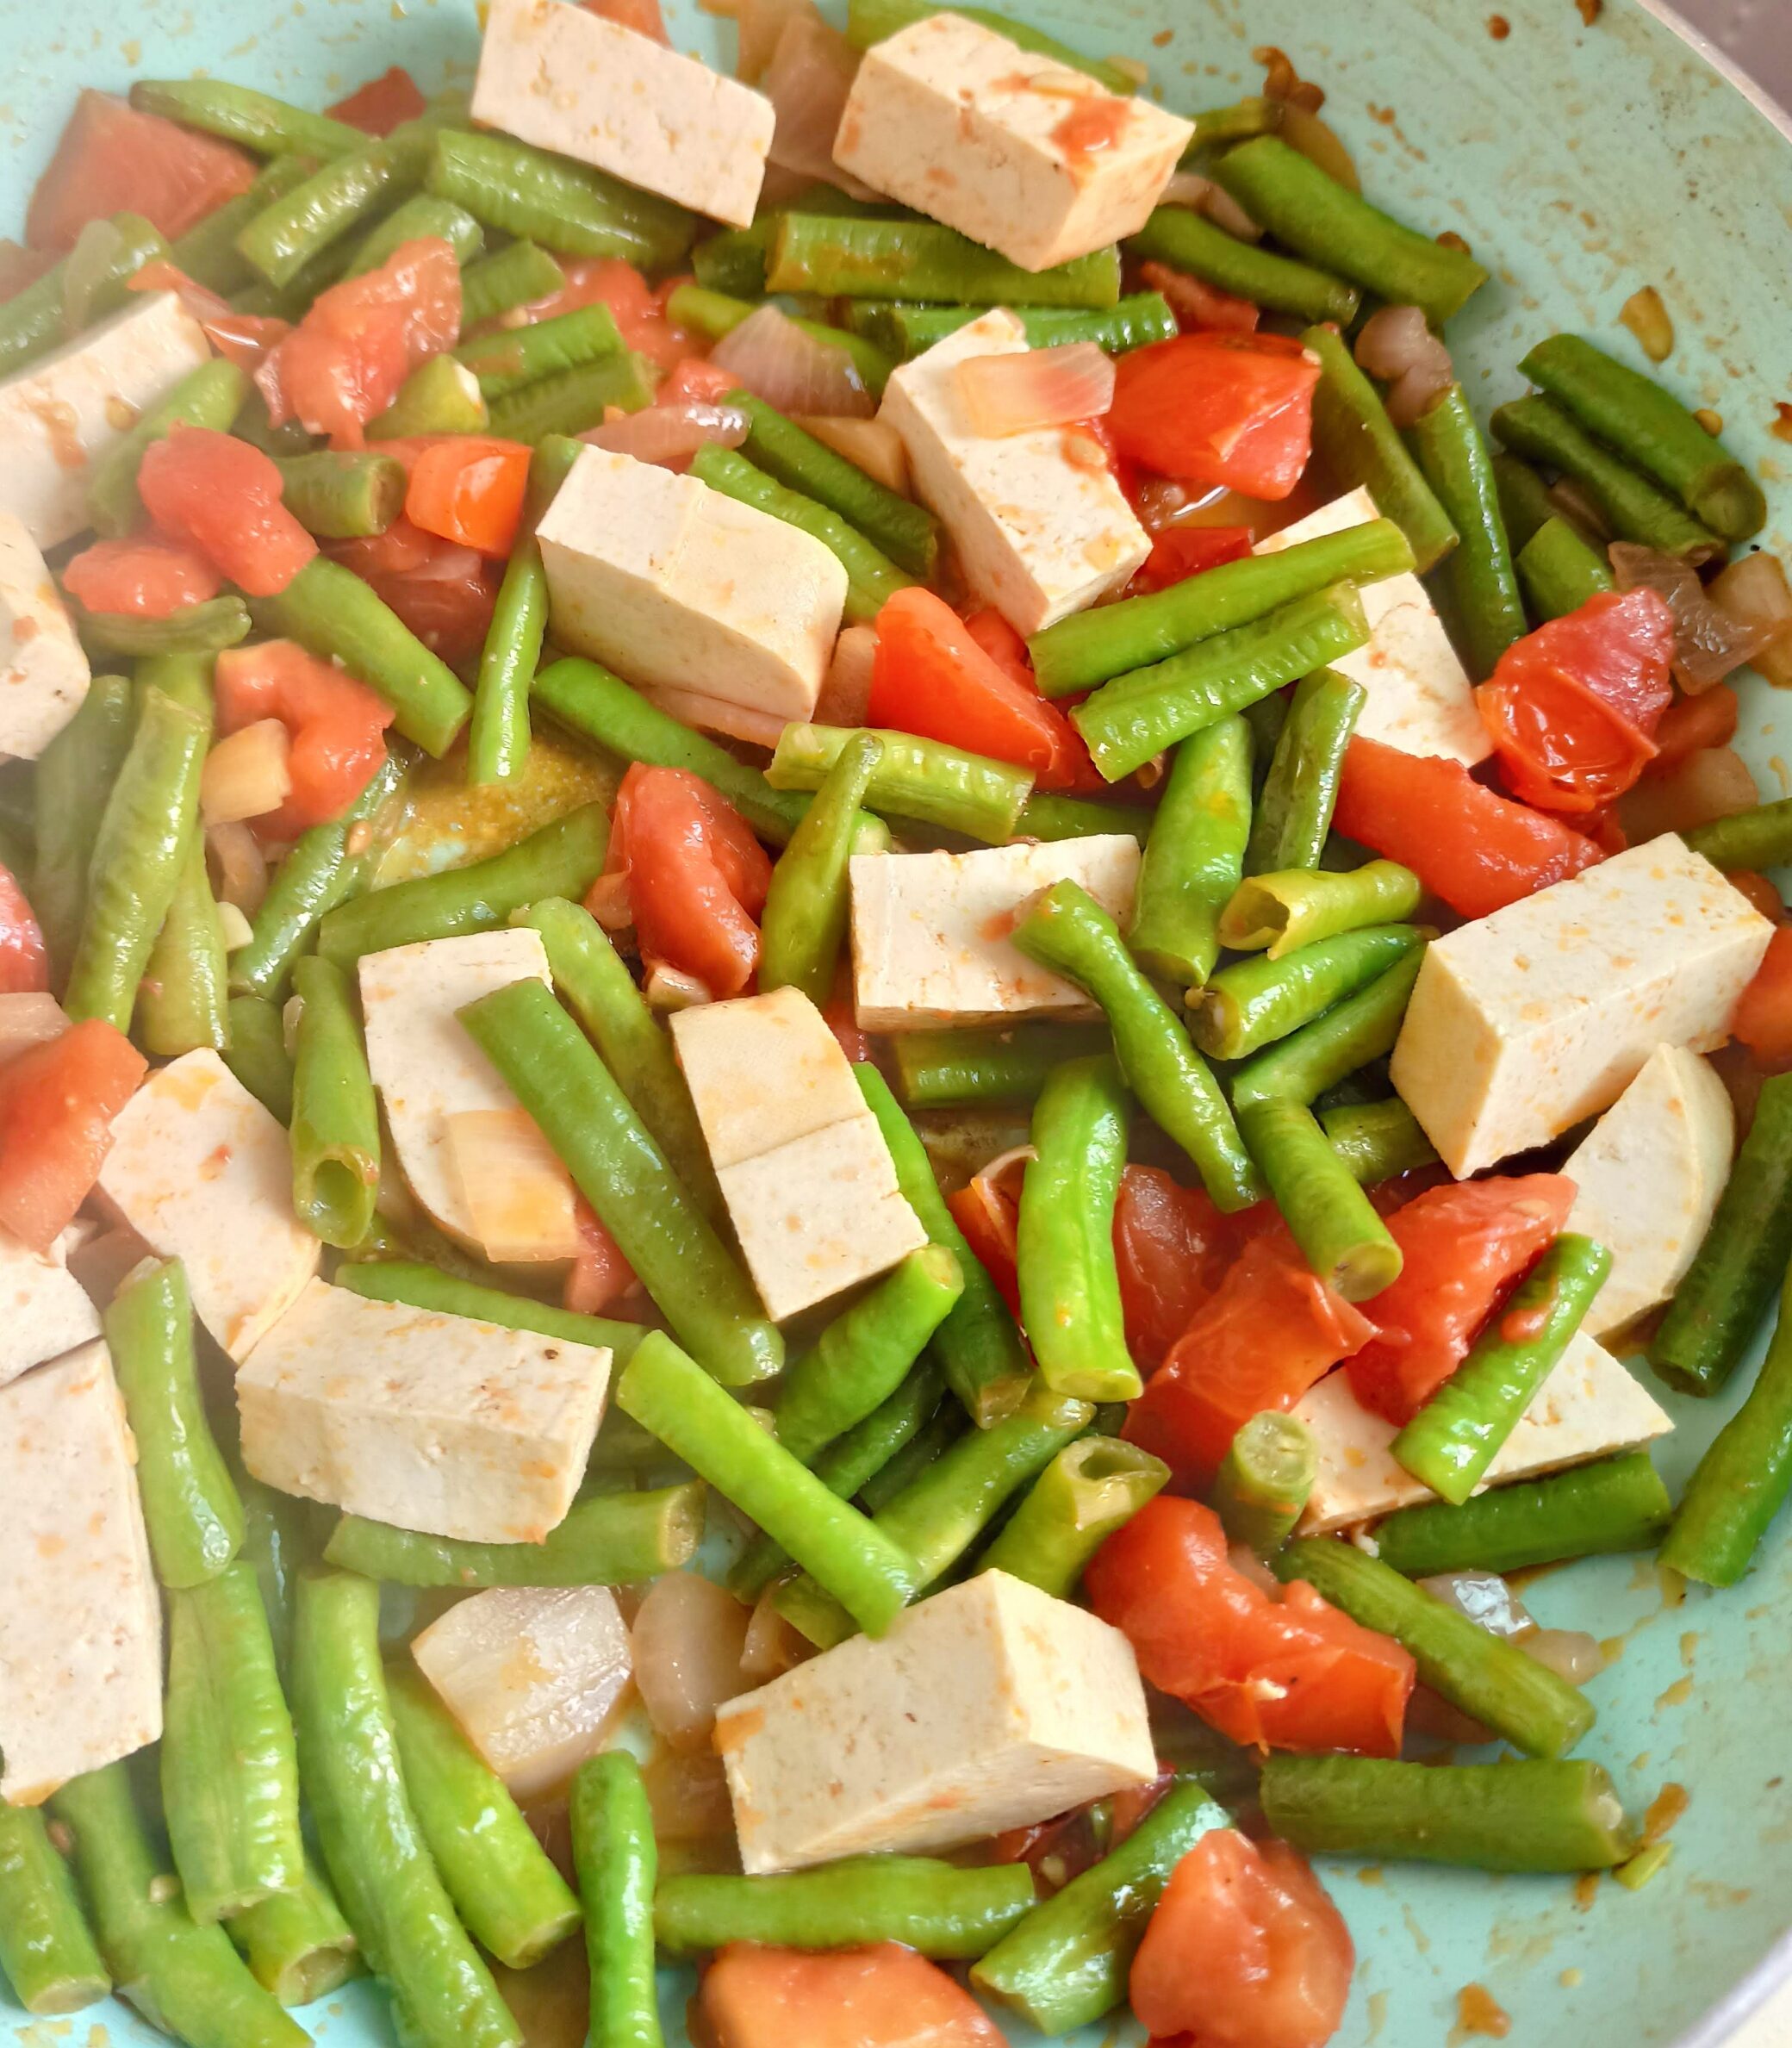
1709	642
717	714
1187	187
807	80
1709	782
845	698
1169	502
668	988
872	445
1570	1653
519	1195
762	23
247	773
608	902
1318	141
32	1017
1225	212
772	1646
239	867
1398	347
1754	592
1484	1598
670	433
788	368
688	1639
1036	387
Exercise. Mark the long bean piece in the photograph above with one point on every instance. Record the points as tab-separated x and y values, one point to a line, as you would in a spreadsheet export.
211	395
47	1954
834	257
1616	1504
343	494
1376	1140
73	781
616	1860
1559	571
335	1116
1339	1235
1525	501
907	330
1194	856
908	534
566	207
1188	241
183	1002
1758	837
239	114
572	401
869	21
293	229
1322	1053
1294	810
994	1063
297	1945
1257	1001
808	903
922	779
513	277
950	1914
1292	908
498	736
1093	1487
1478	573
1264	1481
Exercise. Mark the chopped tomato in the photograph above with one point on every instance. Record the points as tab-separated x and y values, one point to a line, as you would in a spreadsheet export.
696	380
1691	724
1709	782
470	488
1763	1012
20	266
245	339
999	641
1280	1670
1759	891
1199	307
643	16
1573	706
337	727
147	578
884	1996
601	1274
987	1210
1178	552
1172	1246
1244	1950
1233	409
640	311
346	360
1462	1246
57	1103
697	877
1469	846
931	677
443	592
112	160
223	497
377	107
24	964
1267	1333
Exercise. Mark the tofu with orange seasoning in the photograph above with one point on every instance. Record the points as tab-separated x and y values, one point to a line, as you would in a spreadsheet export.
44	1310
203	1174
43	671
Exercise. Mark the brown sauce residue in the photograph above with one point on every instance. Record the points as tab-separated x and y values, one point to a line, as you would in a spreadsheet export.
1479	2014
1498	27
1664	1810
1586	1889
1282	82
59	423
1590	10
1088	127
1782	428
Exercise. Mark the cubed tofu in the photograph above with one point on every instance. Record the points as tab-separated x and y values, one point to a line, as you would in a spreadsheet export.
533	1674
1588	1407
440	1423
1041	526
1420	698
676	586
808	1179
587	88
43	671
203	1174
81	1621
930	943
59	416
44	1310
990	1706
1648	1176
1524	1022
1035	161
425	1067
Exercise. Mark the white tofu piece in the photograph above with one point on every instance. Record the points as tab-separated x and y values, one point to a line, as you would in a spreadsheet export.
1040	532
533	1674
440	1423
424	1064
809	1182
1648	1176
1589	1407
61	415
587	88
44	1310
1035	161
989	1706
81	1621
676	586
203	1174
1524	1022
929	931
1420	697
43	670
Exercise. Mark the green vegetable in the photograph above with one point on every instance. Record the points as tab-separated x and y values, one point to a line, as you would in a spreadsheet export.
1322	1053
1288	910
422	1286
296	1944
440	397
1093	1487
1293	815
617	1859
498	737
1376	1140
1195	853
834	257
1559	571
1188	241
922	779
1334	1223
73	781
513	357
714	314
1264	1481
182	1002
342	495
1525	501
294	229
47	1954
513	277
1046	816
335	1118
994	1063
1261	1000
239	114
420	216
207	627
211	395
952	1914
1616	1504
1759	838
1631	506
565	207
572	401
907	330
1478	573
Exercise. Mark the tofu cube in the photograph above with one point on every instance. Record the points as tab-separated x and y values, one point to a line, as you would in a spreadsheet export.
1589	1407
81	1624
1527	1021
989	1706
44	1310
440	1423
203	1174
425	1067
1648	1175
43	671
1035	161
1041	526
809	1182
61	415
676	586
930	941
533	1674
566	80
1420	698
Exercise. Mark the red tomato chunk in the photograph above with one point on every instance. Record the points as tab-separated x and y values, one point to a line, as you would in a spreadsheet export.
1226	408
337	727
56	1103
112	160
222	497
147	578
882	1997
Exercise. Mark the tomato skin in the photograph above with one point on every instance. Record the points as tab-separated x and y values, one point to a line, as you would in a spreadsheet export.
1200	307
1226	408
1171	1247
601	1274
1278	1671
443	592
147	578
470	488
112	160
699	380
987	1210
1244	1950
1692	724
1178	552
697	877
377	107
1472	847
24	959
337	727
1463	1246
222	497
56	1103
1764	1011
245	339
643	16
884	1996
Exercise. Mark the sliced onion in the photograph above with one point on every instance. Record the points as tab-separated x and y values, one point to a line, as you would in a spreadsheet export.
1319	141
845	698
1754	592
807	80
247	773
762	24
1187	187
668	988
688	1795
236	928
519	1195
239	867
1397	347
32	1017
717	714
1570	1653
534	1674
1246	1562
1646	317
102	1262
872	445
1710	782
1709	641
1165	502
687	1640
1484	1598
772	1646
1036	387
1224	211
671	434
607	900
788	368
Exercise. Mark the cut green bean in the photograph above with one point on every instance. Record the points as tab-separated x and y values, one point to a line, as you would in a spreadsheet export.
573	400
73	781
31	321
512	356
1320	1054
1308	212
1478	573
920	1452
1290	910
1484	1674
1758	837
344	190
1188	241
566	207
1631	505
47	1954
1195	853
1361	447
1049	817
297	1945
803	927
1376	1140
183	1001
513	277
712	313
194	1516
1722	1303
1264	1481
1236	123
1261	1001
239	114
835	257
951	1914
995	1063
617	1859
1615	1504
335	1117
1092	1488
1559	571
442	396
922	779
421	217
97	270
211	395
1525	500
421	1286
1293	815
208	252
498	735
207	627
869	21
909	330
1067	930
343	494
1339	1235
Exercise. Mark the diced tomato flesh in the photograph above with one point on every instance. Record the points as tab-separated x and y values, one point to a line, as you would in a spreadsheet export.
112	160
222	496
1178	552
145	577
697	381
470	488
987	1209
381	103
443	592
639	309
1692	724
643	16
337	727
884	1996
1171	1247
1764	1013
24	959
56	1103
245	339
1226	408
1199	307
601	1274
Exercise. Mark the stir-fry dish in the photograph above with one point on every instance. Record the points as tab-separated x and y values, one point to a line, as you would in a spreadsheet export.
851	1005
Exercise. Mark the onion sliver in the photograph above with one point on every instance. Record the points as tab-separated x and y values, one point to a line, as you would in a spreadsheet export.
518	1193
790	369
1036	387
688	1639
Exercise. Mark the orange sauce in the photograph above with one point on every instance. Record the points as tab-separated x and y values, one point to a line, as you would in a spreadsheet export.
1089	126
1519	1326
1664	1810
1479	2014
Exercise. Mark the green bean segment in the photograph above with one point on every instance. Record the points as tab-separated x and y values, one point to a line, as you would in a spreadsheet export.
1195	853
1287	909
335	1118
1264	1481
1254	1002
834	257
1093	1487
1334	1223
954	1914
922	779
617	1864
994	1063
1293	815
1188	241
1559	571
46	1953
1616	1504
1320	1054
1477	574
